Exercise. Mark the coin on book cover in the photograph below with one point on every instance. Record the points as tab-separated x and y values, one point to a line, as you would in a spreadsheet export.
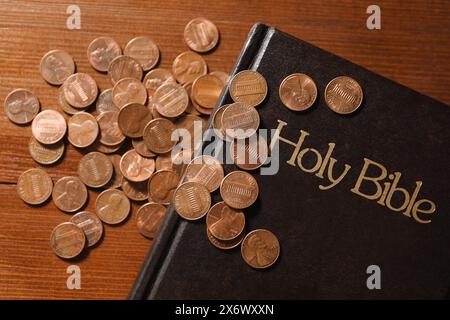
225	245
56	66
206	170
80	90
21	106
250	153
188	66
112	206
162	185
45	154
90	224
129	90
49	127
83	129
67	240
224	222
149	218
69	194
201	35
239	189
34	186
144	50
170	100
124	67
248	86
298	92
192	200
102	51
206	90
135	167
158	135
260	249
133	118
240	121
95	169
343	95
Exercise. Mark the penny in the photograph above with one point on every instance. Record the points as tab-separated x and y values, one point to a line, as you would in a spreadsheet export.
48	127
239	189
110	133
248	86
260	249
188	66
124	67
67	240
200	109
112	206
117	177
65	106
141	148
206	90
298	92
95	169
144	50
192	200
205	170
80	90
162	185
190	131
156	78
105	102
69	194
225	245
190	107
223	76
136	191
217	123
158	135
21	106
129	90
240	121
149	218
90	224
83	130
98	146
343	95
201	35
225	223
101	52
56	66
133	118
34	186
164	162
170	100
251	153
45	154
135	167
153	110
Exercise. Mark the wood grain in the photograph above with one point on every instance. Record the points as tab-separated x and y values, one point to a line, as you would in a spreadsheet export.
412	48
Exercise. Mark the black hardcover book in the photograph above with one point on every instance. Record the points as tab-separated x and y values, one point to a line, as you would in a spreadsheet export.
364	195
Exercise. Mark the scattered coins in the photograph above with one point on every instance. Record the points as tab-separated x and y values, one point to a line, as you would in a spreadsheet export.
149	218
21	106
260	249
343	95
112	206
34	186
67	240
105	102
69	194
298	92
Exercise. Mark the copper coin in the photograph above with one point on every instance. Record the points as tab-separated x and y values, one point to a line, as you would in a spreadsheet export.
136	191
201	35
141	148
98	146
343	95
135	167
164	162
105	102
205	170
223	76
248	86
112	206
80	90
190	131
45	154
133	118
239	189
200	109
188	66
171	100
206	90
34	186
21	106
298	92
251	153
158	135
240	121
260	249
102	51
162	185
190	107
49	127
69	194
129	90
124	67
117	177
217	123
149	218
90	224
95	169
110	133
56	66
155	113
144	50
225	223
67	240
65	106
225	245
156	78
192	200
180	161
83	130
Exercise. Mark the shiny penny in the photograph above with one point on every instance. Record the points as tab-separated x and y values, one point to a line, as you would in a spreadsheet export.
135	167
162	185
192	200
343	95
83	130
34	186
260	249
95	169
206	90
124	67
149	218
144	50
45	154
112	206
105	102
110	133
141	148
240	121
171	100
102	51
67	240
133	118
201	35
249	87
298	92
80	90
90	224
188	66
21	106
49	127
117	177
129	90
251	153
206	170
225	223
156	78
136	191
225	245
69	194
56	66
239	189
158	135
65	106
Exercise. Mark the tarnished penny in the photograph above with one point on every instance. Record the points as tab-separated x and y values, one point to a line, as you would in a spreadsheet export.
69	194
129	90
110	133
117	177
217	123
343	95
162	185
188	66
45	154
141	148
158	134
124	67
201	35
112	206
298	92
206	90
156	78
171	100
144	50
95	169
192	200
225	245
133	118
65	106
90	224
239	189
205	170
135	167
49	127
83	129
34	186
149	218
136	191
223	76
260	249
240	121
102	51
56	66
67	240
225	223
105	102
80	90
21	106
251	153
249	87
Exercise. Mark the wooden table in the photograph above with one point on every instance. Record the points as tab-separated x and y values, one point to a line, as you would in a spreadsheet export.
413	48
